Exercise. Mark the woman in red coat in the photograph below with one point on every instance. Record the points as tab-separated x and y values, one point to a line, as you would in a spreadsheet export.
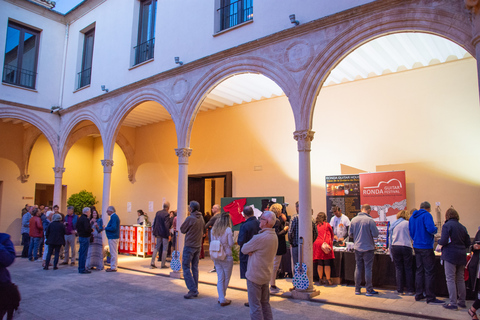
323	253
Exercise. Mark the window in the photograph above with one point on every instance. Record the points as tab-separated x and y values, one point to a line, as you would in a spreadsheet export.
233	12
21	52
146	31
84	76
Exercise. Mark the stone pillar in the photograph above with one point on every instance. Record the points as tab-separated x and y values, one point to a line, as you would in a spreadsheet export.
474	7
304	139
107	179
57	188
182	206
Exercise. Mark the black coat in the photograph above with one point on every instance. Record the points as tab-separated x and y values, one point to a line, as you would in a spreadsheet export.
247	230
84	228
473	265
455	241
162	224
55	234
281	232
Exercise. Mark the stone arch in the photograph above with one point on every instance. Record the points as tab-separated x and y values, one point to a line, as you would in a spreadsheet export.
128	104
449	20
40	125
222	71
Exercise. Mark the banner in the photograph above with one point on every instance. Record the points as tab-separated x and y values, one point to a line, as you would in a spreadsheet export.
385	192
343	191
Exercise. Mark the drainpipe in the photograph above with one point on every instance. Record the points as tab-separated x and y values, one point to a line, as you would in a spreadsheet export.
65	47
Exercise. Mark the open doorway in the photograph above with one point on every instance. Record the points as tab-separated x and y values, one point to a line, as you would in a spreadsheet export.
209	188
44	194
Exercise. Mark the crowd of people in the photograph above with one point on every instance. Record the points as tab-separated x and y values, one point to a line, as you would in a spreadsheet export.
262	245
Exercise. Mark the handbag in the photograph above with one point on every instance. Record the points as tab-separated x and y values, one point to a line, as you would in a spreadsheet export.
216	250
326	248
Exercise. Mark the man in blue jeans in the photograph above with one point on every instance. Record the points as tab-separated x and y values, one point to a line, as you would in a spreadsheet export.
194	228
84	230
422	231
363	229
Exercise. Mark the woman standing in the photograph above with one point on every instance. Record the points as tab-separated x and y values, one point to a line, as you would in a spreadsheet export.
454	241
281	230
473	271
323	253
142	218
95	250
222	231
402	253
55	235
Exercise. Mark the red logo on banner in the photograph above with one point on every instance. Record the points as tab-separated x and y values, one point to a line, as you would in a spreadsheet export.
385	192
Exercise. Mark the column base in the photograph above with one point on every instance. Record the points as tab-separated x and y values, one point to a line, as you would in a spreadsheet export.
304	294
176	274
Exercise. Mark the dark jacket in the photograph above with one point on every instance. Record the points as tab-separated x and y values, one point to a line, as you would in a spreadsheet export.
473	265
84	229
422	229
7	256
55	234
247	230
281	232
454	241
194	228
162	224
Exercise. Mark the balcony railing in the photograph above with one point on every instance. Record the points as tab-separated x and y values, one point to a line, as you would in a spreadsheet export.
18	76
84	78
144	51
235	13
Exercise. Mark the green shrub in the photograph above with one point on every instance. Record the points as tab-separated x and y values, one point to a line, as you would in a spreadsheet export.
81	200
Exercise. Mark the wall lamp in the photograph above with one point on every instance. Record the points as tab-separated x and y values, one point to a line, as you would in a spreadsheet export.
55	109
104	89
177	61
292	20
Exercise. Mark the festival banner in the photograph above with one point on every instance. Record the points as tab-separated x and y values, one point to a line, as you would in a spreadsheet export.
343	191
385	192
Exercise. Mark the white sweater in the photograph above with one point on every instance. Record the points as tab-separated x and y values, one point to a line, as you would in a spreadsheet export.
263	247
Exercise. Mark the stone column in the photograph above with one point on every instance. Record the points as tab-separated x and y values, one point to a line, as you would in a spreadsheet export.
182	207
474	7
107	179
304	139
57	188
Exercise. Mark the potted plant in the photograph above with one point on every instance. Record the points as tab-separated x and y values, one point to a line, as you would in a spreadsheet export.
81	200
106	253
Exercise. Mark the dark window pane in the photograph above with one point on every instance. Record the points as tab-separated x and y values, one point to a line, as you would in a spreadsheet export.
233	12
84	77
146	31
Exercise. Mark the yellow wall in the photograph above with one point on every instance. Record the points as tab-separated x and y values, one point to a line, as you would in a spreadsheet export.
424	121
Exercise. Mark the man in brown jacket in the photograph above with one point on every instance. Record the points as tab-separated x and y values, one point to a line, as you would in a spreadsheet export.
261	249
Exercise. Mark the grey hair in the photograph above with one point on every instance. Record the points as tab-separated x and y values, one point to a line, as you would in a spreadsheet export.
270	217
111	208
86	210
57	217
70	208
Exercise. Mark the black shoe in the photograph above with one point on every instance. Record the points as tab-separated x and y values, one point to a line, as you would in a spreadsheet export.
435	301
85	271
152	266
419	297
45	268
246	304
55	268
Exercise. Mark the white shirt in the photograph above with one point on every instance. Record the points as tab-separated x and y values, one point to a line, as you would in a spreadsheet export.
340	225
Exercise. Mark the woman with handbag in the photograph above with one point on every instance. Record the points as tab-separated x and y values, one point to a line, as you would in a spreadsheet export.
222	238
95	249
323	254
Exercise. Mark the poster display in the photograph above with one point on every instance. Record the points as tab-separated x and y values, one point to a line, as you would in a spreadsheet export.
343	191
385	192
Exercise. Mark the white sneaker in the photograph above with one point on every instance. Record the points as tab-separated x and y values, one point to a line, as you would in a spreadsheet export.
274	289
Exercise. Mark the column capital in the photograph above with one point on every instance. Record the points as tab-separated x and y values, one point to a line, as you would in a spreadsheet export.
107	165
473	5
183	154
58	171
304	139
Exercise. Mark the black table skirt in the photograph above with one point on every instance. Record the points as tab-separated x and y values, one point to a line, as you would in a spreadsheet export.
383	271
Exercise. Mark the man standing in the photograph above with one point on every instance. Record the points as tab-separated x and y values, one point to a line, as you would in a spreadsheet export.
363	229
194	228
248	229
161	231
261	249
293	236
422	231
112	231
216	211
84	230
70	233
25	231
340	224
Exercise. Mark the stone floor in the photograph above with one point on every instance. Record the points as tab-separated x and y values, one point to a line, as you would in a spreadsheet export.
138	292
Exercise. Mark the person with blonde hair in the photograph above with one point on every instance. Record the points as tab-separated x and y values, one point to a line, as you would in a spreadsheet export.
401	251
222	231
281	230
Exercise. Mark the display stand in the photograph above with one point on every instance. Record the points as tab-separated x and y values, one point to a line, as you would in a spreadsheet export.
136	240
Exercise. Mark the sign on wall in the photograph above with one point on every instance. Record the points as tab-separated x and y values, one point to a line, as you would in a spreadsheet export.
343	191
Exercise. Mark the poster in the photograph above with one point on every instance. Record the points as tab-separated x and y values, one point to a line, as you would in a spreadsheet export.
343	191
385	192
